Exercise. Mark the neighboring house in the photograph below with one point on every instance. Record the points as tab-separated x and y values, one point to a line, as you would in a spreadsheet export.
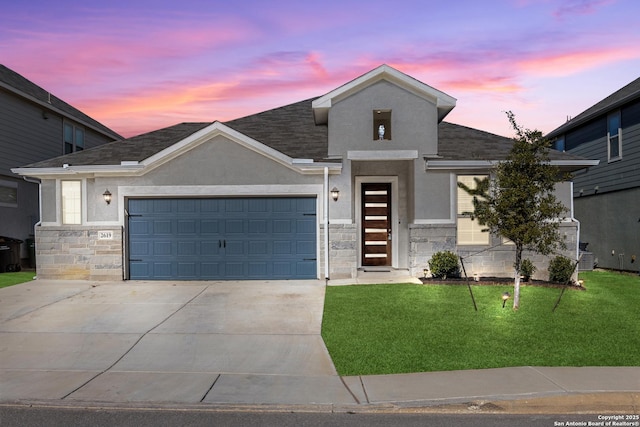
372	162
607	196
34	126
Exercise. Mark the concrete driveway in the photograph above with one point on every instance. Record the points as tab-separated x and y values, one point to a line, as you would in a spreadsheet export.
218	342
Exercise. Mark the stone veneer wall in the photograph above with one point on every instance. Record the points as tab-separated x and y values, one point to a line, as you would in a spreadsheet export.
343	251
425	240
77	253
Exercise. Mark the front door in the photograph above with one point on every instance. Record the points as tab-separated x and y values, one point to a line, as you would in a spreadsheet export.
376	224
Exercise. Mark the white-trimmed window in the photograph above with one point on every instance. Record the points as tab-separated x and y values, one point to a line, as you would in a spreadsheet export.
8	194
469	231
614	136
71	192
382	125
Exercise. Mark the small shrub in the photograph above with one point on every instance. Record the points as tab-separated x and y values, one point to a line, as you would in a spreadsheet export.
527	269
560	269
444	264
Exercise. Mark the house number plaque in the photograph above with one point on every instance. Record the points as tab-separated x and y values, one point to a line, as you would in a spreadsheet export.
105	235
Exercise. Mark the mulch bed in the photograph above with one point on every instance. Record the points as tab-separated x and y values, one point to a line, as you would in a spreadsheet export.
494	281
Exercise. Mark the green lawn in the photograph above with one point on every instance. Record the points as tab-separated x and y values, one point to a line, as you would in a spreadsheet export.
385	329
9	279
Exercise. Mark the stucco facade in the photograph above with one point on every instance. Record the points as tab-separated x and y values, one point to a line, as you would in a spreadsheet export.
393	203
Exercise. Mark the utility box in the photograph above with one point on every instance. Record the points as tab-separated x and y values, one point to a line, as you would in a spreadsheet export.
9	254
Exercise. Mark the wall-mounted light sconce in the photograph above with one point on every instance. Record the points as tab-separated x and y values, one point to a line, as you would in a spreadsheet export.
107	196
505	297
335	193
581	192
595	190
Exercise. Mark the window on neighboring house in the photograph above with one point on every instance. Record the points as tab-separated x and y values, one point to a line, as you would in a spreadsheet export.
614	136
71	202
469	231
8	194
73	138
382	124
558	144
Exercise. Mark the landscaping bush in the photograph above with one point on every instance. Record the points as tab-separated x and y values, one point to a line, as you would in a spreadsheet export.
527	269
444	264
560	269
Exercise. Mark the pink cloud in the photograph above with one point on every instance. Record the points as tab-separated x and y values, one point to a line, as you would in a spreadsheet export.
579	7
571	62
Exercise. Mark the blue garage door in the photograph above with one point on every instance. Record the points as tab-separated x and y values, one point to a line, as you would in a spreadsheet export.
230	238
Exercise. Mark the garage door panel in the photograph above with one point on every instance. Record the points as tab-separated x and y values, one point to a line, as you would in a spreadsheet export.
139	227
307	248
258	226
161	248
210	226
306	226
234	226
234	205
257	269
210	248
161	227
261	238
187	226
187	248
283	247
258	247
282	226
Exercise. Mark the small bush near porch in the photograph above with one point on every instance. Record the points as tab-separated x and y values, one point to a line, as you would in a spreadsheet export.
387	329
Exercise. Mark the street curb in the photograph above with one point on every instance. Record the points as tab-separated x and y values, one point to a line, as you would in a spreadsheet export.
577	403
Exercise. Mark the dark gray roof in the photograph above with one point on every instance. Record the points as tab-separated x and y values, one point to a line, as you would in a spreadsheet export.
457	142
620	97
18	84
137	148
290	130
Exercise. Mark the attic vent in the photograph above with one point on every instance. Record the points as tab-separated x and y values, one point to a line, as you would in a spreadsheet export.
382	125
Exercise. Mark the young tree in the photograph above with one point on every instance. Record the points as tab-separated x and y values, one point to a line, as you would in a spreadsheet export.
518	200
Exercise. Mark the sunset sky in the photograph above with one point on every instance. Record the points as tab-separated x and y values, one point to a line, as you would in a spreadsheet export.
139	65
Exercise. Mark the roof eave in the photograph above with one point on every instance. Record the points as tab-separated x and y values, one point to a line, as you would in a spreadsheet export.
470	165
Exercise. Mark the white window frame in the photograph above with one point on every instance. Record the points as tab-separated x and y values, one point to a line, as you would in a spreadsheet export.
618	136
71	202
478	238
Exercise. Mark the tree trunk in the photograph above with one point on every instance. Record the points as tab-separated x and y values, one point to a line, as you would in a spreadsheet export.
516	280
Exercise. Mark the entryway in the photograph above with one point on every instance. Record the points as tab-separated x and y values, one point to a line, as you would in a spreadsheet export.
376	230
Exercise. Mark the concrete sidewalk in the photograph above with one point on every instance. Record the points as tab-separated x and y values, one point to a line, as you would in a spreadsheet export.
239	344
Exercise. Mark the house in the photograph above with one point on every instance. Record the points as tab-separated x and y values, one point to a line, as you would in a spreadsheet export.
35	125
607	196
361	178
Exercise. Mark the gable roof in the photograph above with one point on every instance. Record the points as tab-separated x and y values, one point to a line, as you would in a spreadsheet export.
617	99
290	134
444	103
289	129
17	84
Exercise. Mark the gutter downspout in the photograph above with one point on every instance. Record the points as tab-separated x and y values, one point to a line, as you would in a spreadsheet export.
326	223
37	224
573	219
